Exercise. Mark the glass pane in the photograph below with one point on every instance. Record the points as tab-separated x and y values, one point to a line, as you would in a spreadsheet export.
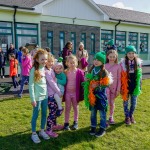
50	43
61	44
50	34
5	39
27	25
23	40
120	33
29	32
61	34
72	35
5	24
5	30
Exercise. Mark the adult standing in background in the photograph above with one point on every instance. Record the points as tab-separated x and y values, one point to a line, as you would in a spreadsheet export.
2	63
67	50
12	50
33	52
82	56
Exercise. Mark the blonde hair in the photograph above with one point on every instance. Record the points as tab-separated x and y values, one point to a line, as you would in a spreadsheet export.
50	58
109	52
37	75
72	57
25	50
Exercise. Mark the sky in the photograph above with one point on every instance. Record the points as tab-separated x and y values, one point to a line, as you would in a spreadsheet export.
137	5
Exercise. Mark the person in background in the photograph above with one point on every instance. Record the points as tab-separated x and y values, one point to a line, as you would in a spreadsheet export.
2	63
20	61
110	46
12	50
48	50
33	52
67	50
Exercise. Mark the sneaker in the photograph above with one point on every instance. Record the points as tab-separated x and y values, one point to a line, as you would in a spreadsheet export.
66	126
132	120
92	131
111	121
3	77
44	135
59	112
57	127
14	90
127	121
75	125
100	133
35	138
18	87
52	134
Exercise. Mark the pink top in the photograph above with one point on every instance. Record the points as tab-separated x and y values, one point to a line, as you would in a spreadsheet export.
71	81
115	70
26	65
52	87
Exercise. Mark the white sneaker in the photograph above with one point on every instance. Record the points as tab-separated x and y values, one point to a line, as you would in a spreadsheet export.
44	135
14	90
35	138
18	87
3	77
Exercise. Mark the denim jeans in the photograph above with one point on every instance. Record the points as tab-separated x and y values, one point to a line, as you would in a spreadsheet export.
24	78
43	105
15	83
102	114
129	112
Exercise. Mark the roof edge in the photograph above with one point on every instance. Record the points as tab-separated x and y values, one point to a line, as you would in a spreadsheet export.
14	6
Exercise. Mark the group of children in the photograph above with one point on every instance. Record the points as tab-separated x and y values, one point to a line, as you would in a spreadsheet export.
50	84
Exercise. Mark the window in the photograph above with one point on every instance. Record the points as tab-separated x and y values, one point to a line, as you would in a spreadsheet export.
133	39
61	40
120	40
50	40
5	34
73	40
106	35
92	43
26	34
143	42
83	39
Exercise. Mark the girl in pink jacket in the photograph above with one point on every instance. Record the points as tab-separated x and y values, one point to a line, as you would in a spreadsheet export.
26	66
113	90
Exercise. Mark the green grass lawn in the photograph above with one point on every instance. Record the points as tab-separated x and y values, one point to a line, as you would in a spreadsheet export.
15	130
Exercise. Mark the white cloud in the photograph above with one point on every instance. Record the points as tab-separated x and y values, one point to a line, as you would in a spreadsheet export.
121	5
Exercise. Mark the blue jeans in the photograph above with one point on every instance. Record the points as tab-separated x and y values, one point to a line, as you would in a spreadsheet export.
127	112
94	118
15	83
24	78
43	105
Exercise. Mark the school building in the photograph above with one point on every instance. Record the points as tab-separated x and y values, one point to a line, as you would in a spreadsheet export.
51	23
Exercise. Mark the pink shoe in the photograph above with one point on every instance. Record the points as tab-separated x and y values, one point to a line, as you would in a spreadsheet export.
52	134
111	121
58	127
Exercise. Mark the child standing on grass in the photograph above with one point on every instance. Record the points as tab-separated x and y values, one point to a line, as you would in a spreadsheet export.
73	91
61	82
26	66
38	94
13	70
130	82
95	93
113	90
52	105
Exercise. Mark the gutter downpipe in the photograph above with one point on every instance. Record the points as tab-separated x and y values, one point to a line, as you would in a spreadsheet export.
116	30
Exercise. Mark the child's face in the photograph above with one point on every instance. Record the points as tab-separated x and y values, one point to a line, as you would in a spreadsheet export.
58	69
24	54
42	59
131	55
72	64
112	57
81	47
50	63
97	63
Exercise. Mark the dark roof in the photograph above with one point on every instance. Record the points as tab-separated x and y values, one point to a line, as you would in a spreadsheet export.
125	15
21	3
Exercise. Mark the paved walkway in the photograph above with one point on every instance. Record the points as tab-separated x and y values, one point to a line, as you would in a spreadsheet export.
9	94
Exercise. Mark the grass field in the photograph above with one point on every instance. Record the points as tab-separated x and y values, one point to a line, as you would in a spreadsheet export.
15	130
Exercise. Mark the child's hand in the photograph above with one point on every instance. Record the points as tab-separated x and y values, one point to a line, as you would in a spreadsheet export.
34	104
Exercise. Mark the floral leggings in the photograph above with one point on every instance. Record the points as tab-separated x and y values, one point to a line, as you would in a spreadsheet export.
51	119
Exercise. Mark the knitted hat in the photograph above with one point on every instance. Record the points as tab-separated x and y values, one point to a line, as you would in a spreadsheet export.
130	48
58	62
111	42
101	56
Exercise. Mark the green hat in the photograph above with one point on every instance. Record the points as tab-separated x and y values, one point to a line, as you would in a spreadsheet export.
60	59
101	56
111	42
130	48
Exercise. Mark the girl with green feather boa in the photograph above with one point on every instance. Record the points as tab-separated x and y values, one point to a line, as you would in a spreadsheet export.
131	76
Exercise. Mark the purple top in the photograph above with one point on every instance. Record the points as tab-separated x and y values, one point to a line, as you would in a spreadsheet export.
66	52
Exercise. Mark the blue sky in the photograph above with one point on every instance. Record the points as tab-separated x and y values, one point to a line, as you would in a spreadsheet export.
138	5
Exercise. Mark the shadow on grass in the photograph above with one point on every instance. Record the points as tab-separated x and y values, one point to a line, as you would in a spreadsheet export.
22	140
116	125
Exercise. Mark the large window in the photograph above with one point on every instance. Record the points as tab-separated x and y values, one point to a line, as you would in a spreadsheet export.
106	35
92	43
83	39
61	40
120	41
5	34
133	39
73	40
26	34
50	40
143	42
